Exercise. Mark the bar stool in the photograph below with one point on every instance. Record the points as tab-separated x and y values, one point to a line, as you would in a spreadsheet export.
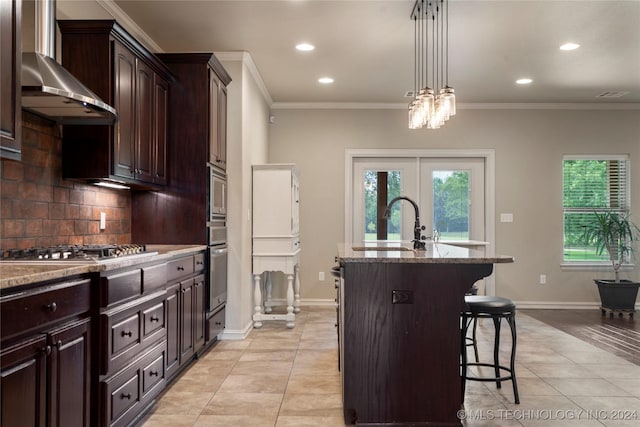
472	340
495	308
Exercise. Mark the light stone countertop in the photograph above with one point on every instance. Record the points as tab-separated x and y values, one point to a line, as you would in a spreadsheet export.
17	273
397	252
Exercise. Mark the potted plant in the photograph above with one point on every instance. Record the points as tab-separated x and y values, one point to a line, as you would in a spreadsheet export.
615	233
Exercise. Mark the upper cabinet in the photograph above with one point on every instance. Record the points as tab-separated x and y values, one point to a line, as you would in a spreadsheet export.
10	62
124	74
200	98
197	128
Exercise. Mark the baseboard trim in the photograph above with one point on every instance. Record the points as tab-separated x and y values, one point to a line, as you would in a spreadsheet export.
554	305
236	334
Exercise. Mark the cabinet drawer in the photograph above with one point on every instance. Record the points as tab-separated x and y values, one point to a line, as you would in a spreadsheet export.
198	263
276	245
125	334
130	328
125	396
180	267
153	319
119	287
153	373
131	390
38	308
154	278
215	324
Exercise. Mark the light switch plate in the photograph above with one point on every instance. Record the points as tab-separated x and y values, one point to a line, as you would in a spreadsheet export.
506	217
103	220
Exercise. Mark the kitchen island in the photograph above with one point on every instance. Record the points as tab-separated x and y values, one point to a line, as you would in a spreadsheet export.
399	331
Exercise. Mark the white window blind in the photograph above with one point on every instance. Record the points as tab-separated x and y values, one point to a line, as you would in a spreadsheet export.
591	184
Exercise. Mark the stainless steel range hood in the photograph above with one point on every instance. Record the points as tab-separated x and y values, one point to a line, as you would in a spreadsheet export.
51	91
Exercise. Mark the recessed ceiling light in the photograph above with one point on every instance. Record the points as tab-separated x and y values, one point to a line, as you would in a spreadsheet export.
325	80
524	81
305	47
569	46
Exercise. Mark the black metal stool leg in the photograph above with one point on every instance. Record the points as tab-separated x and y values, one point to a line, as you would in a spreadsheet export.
496	350
511	319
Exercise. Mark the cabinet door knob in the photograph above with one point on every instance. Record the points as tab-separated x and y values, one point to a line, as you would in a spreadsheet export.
126	396
52	307
183	290
154	319
47	350
59	344
127	334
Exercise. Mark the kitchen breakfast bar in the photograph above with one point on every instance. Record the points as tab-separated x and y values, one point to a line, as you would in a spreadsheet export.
399	330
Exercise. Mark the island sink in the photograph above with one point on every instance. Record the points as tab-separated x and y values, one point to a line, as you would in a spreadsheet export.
380	248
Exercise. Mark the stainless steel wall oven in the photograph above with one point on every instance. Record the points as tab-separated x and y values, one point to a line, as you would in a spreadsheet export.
217	252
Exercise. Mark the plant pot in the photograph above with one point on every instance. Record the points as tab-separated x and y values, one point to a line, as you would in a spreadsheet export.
618	296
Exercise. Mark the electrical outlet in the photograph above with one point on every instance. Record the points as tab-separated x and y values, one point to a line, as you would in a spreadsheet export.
321	276
543	279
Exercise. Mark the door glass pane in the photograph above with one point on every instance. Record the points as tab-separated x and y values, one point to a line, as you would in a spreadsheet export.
451	204
376	196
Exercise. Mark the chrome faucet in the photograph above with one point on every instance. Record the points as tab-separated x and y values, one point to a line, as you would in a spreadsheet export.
417	229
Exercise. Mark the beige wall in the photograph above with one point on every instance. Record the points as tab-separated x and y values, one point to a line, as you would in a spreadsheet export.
529	145
247	142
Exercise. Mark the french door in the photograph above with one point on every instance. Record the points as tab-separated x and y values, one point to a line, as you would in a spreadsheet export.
450	194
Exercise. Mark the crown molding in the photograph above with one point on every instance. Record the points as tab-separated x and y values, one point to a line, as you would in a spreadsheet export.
129	24
460	106
247	60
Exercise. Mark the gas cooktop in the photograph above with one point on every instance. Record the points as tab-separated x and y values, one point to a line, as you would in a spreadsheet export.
74	253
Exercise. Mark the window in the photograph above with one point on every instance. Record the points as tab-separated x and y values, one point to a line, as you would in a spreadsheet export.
591	184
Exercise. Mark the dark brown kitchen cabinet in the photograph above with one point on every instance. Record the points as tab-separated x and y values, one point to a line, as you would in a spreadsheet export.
198	115
132	346
185	316
45	361
217	121
10	63
126	75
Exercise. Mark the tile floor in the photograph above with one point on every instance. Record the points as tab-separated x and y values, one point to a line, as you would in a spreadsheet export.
281	377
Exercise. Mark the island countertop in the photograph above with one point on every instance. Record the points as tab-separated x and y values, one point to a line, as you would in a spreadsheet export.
17	273
401	252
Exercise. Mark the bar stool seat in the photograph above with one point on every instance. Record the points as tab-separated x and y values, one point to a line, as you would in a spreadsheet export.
495	308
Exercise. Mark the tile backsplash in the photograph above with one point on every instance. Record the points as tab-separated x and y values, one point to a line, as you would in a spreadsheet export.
39	208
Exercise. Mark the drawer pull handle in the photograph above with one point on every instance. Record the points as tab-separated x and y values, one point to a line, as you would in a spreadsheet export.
127	334
125	396
199	262
180	268
154	319
52	307
153	373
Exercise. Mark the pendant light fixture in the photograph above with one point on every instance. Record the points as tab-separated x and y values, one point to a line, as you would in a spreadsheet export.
434	100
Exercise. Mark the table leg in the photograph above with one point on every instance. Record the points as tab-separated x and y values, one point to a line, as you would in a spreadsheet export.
268	303
290	315
257	298
296	302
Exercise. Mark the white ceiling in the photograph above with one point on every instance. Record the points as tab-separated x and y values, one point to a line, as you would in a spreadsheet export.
367	45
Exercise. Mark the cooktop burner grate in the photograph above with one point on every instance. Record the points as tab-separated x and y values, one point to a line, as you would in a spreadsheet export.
72	252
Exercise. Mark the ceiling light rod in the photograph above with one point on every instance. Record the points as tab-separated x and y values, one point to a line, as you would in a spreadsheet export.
432	105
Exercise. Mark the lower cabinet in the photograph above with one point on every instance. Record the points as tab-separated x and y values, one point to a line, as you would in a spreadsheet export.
133	388
45	356
185	322
45	379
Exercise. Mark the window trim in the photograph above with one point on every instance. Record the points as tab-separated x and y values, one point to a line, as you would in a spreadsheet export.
603	265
